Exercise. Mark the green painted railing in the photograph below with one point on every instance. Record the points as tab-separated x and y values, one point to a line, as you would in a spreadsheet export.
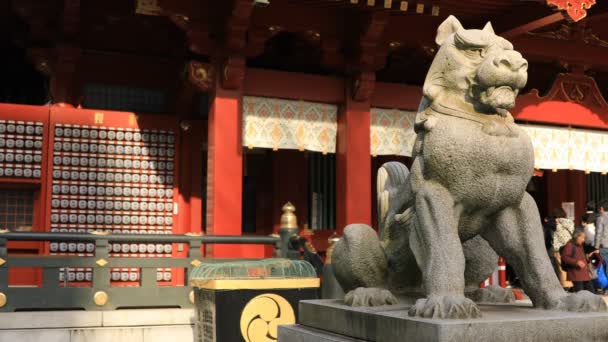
100	293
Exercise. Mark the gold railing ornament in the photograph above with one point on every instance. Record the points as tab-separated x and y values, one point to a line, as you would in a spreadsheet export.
2	299
100	298
289	219
101	232
330	248
194	234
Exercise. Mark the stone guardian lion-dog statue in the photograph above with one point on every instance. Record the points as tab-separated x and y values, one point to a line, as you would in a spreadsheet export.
464	199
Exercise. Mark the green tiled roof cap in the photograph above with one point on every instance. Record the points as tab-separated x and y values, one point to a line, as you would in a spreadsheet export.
254	269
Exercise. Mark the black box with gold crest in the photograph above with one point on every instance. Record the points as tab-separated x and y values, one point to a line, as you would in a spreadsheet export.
247	300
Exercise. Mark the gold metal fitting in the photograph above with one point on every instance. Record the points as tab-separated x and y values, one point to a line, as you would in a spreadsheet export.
2	261
289	219
101	262
191	296
101	232
195	262
100	298
2	299
330	249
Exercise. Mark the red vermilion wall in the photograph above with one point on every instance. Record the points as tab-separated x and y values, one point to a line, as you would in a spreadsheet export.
353	165
224	170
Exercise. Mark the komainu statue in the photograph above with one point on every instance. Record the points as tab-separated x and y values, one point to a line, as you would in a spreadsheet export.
444	222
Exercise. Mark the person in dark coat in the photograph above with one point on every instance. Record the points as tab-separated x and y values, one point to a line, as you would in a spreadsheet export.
575	263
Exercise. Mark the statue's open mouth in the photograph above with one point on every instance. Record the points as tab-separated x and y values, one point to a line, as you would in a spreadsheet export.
499	97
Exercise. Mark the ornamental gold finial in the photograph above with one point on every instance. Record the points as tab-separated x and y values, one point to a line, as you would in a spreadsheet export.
331	242
289	219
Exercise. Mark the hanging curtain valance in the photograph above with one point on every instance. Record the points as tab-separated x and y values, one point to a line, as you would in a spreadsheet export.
392	132
287	124
569	148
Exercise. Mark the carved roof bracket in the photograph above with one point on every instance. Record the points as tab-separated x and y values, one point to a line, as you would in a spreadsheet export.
370	40
234	45
576	9
233	72
237	25
71	18
363	85
370	51
200	75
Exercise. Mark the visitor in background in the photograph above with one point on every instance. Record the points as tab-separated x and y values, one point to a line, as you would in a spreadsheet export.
601	230
588	222
564	229
591	209
548	231
575	262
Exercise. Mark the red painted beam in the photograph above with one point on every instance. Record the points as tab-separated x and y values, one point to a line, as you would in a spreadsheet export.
326	89
398	96
536	48
295	86
533	25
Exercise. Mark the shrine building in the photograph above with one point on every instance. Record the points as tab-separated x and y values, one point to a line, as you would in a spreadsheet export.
200	116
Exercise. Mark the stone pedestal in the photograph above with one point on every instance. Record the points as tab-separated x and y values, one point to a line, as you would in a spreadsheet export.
330	320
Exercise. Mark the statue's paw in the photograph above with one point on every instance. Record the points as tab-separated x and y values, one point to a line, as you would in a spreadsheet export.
369	296
492	294
582	301
445	307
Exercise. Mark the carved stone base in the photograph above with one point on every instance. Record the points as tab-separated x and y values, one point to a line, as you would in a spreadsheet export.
327	319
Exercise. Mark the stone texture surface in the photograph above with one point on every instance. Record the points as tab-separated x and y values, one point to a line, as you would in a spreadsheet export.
118	318
500	323
147	325
467	185
107	335
168	333
50	319
37	335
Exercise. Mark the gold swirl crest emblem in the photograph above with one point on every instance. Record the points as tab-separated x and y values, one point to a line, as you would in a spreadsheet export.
261	317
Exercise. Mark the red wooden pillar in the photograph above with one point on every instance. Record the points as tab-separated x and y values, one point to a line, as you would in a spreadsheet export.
64	82
224	168
353	169
196	174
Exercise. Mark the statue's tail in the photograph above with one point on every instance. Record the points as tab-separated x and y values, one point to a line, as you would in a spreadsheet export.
394	197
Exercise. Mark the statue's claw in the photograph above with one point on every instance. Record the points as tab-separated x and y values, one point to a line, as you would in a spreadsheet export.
445	307
492	294
582	301
372	296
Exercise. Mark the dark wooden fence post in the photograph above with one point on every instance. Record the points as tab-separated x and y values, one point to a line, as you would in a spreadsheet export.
3	264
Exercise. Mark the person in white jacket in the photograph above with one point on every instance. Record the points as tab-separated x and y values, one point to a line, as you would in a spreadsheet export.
601	230
588	222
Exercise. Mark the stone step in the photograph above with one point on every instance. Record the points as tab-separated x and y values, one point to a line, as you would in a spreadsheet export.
149	325
500	323
299	333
